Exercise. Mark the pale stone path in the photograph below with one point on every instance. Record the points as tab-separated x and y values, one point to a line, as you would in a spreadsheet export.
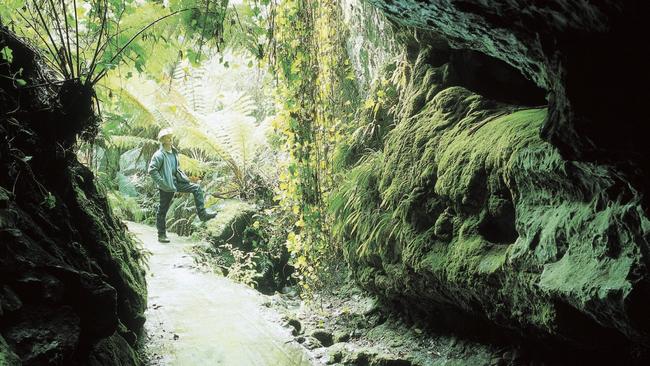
197	318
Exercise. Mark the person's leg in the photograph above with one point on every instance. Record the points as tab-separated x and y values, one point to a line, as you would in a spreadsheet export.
161	215
199	198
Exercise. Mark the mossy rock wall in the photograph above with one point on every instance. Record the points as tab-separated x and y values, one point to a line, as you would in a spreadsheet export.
585	54
467	217
72	285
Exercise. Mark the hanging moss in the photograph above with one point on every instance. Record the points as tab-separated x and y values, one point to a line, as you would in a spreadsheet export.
465	210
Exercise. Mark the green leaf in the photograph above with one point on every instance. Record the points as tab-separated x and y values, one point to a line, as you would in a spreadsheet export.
139	64
49	201
193	56
7	54
21	82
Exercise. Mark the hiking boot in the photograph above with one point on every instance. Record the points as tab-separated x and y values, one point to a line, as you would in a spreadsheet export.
205	216
163	239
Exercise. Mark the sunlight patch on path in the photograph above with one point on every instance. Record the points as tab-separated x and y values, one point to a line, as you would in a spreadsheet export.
196	318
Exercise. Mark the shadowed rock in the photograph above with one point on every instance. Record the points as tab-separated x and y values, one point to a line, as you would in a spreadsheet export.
466	217
72	287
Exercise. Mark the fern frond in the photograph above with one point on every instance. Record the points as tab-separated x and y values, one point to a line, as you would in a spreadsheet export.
126	142
136	101
192	166
195	138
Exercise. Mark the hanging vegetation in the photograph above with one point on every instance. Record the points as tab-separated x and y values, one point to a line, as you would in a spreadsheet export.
319	99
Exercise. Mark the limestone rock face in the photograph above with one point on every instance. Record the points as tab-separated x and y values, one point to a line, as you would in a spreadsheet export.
586	54
464	215
72	285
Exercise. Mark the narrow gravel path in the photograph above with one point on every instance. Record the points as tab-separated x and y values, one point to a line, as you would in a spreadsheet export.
197	318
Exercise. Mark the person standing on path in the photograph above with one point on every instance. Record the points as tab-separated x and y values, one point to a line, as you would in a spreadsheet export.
165	171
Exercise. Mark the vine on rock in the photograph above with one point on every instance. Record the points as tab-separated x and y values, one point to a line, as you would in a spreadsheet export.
318	96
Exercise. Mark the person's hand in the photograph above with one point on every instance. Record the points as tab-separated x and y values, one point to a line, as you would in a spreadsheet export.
194	179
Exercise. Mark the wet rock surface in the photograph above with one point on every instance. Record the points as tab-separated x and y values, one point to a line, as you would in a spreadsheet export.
71	280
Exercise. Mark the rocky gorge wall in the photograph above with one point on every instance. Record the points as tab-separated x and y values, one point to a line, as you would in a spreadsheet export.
72	286
585	54
489	211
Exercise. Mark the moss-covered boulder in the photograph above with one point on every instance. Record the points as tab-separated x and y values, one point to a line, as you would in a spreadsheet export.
467	217
248	245
233	216
72	284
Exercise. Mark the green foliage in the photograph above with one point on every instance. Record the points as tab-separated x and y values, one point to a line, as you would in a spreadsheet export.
49	201
6	54
373	120
124	207
127	142
79	40
208	124
317	98
269	230
84	40
6	59
242	269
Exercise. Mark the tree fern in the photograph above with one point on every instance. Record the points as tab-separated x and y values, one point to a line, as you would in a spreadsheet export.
193	166
126	142
209	121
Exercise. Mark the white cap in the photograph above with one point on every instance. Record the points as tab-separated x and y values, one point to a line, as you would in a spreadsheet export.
164	132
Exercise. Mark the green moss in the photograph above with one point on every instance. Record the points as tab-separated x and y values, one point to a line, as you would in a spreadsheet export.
415	153
492	260
580	270
113	350
491	147
7	356
122	257
464	204
232	218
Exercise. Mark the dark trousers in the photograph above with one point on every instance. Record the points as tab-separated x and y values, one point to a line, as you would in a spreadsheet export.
166	201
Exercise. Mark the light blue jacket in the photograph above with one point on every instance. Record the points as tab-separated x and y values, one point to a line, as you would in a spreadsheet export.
166	172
